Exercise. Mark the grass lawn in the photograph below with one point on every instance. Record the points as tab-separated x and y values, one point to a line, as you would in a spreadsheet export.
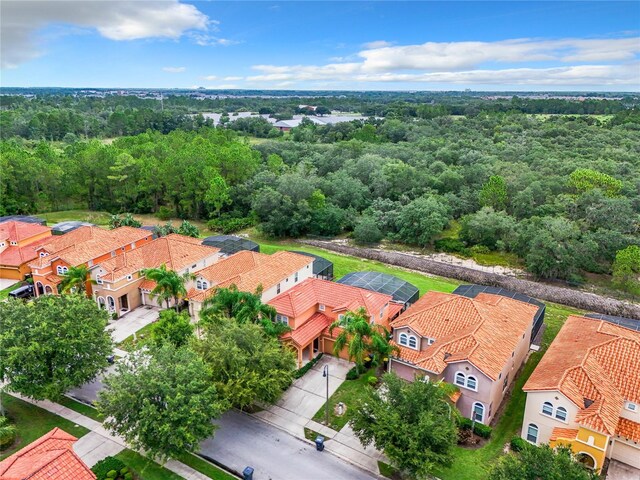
471	464
349	393
4	294
145	468
33	422
82	408
205	467
128	344
98	218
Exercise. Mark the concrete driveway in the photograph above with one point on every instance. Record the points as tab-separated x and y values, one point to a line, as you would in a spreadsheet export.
243	441
306	395
7	282
622	471
132	322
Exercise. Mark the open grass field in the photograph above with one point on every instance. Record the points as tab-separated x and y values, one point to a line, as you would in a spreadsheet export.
33	422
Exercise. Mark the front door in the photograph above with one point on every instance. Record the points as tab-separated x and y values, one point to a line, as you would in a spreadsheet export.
316	345
124	302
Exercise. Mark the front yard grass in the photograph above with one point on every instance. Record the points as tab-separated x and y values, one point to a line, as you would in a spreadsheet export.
143	336
349	393
145	468
81	408
33	422
205	467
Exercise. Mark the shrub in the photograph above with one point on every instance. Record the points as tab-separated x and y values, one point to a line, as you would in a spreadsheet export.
164	213
480	249
301	371
124	471
7	432
128	476
112	474
518	444
451	245
481	430
372	380
353	374
225	224
106	466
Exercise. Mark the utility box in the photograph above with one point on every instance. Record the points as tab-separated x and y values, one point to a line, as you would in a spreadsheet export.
247	473
319	443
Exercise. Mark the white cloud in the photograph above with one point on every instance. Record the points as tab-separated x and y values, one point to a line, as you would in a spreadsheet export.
174	69
224	86
232	79
206	40
607	61
377	44
115	20
210	77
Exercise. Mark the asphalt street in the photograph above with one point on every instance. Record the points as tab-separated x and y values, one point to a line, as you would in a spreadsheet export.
243	441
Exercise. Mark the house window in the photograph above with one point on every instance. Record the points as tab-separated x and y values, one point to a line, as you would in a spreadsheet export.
460	378
111	303
321	307
42	254
199	284
101	303
381	312
205	285
631	406
372	319
129	277
277	288
413	342
282	319
403	339
532	433
62	270
478	412
295	277
547	408
505	383
194	265
431	341
98	280
472	382
341	317
561	414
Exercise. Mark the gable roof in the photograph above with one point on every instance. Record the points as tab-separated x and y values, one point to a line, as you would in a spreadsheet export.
248	270
15	256
15	231
484	330
334	296
87	243
175	251
596	365
51	456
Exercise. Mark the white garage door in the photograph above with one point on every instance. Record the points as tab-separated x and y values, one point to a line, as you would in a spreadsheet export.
626	454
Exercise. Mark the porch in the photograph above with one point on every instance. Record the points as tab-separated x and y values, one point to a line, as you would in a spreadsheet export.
306	340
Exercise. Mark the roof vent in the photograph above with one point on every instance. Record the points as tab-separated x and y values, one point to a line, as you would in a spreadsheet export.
587	402
446	355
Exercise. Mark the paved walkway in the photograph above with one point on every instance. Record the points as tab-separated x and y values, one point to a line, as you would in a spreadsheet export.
7	282
99	443
304	398
132	322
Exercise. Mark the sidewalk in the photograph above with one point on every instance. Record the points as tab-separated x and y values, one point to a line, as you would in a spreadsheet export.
99	443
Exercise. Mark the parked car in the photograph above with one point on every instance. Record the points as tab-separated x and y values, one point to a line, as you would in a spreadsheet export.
25	291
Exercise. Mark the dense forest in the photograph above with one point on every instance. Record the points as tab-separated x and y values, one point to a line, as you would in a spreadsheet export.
562	192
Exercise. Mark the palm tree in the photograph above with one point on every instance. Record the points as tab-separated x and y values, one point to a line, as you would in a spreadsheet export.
75	280
169	284
361	339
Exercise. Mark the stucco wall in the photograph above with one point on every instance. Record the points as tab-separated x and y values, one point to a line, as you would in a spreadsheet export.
469	397
533	414
407	371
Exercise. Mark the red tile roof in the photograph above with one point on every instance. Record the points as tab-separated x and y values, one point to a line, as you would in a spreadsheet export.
49	457
628	429
313	327
15	231
14	256
563	433
484	330
335	296
597	366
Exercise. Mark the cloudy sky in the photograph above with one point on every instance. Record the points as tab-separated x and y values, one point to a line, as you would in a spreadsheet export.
455	45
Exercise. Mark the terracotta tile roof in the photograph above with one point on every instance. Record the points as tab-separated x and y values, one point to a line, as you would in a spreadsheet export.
564	433
484	330
313	327
14	256
49	457
597	366
628	429
249	270
455	396
147	285
175	251
88	242
19	231
335	296
394	309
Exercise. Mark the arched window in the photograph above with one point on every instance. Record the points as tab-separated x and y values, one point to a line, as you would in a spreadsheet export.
404	339
39	288
547	408
205	285
111	302
199	285
532	433
472	382
587	460
101	303
61	270
590	440
48	290
413	342
460	378
477	413
561	414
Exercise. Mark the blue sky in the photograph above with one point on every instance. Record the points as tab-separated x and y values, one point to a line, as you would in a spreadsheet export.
323	45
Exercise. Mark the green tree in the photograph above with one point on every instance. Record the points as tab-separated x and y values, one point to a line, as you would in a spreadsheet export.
585	179
169	284
410	422
361	338
247	365
161	400
188	229
488	227
626	269
7	432
126	220
75	280
367	231
422	219
544	462
494	193
172	327
52	344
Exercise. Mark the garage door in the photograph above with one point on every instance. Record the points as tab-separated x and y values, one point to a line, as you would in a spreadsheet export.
626	454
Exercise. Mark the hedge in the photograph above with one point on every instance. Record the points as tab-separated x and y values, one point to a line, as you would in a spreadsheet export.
107	465
301	371
518	444
479	429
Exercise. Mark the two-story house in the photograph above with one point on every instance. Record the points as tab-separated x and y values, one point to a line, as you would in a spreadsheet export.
311	307
585	392
119	284
477	344
18	244
250	271
85	246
